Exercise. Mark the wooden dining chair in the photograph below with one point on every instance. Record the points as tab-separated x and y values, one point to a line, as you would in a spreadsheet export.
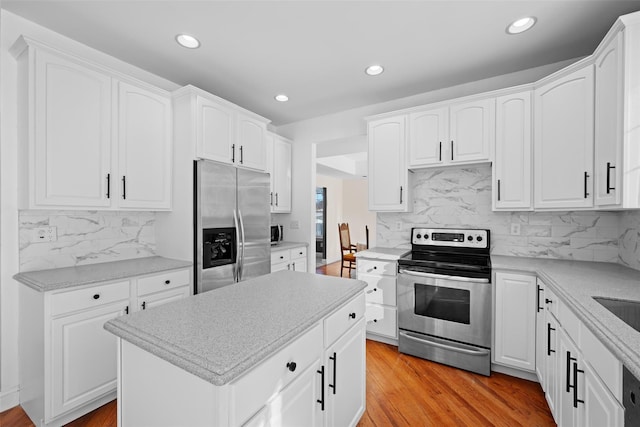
347	250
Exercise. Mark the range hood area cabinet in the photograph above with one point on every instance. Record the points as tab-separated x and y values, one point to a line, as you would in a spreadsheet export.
225	132
90	137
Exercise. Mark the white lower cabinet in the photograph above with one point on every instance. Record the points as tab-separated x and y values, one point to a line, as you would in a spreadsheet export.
515	321
68	360
382	311
289	259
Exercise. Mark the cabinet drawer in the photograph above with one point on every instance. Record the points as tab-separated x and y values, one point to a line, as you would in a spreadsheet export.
369	266
346	316
605	364
382	320
83	298
249	393
297	253
380	289
569	321
280	256
552	302
160	282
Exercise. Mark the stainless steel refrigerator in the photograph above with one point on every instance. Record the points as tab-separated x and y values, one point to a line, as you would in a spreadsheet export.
232	218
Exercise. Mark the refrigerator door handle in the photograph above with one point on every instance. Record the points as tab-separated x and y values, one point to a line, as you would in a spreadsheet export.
240	270
236	266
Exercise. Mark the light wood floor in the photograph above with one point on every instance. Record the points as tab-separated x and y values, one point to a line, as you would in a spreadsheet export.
406	391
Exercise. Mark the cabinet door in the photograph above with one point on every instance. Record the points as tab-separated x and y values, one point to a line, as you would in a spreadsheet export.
568	356
296	405
71	133
541	336
160	298
215	131
299	265
84	357
268	145
388	175
345	392
282	176
515	321
250	143
551	364
600	407
428	132
144	148
609	75
513	158
471	130
563	148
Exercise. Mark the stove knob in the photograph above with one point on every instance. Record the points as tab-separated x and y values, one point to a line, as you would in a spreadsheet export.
418	236
479	238
470	238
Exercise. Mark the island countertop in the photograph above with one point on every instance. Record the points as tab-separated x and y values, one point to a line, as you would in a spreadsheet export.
219	335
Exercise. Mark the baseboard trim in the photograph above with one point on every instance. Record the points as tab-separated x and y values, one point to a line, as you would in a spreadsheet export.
380	338
9	399
525	375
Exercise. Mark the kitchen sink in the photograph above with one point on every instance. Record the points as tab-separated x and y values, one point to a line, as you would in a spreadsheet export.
627	311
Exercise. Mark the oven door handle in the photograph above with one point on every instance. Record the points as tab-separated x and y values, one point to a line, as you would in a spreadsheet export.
421	340
443	276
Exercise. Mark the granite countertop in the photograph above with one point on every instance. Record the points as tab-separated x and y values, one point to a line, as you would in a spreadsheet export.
388	254
219	335
288	245
576	282
67	277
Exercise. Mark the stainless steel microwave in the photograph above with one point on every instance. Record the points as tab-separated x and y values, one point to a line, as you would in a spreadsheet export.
276	234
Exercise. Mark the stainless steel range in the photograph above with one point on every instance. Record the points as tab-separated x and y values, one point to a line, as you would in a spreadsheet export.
444	298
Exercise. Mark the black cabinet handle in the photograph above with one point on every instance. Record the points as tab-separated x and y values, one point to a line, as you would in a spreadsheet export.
548	301
241	156
126	310
609	187
271	198
440	154
352	315
401	194
276	199
451	150
124	187
335	366
96	296
375	320
538	308
233	153
568	381
292	366
281	256
549	329
586	178
166	282
108	186
498	190
575	385
321	400
144	305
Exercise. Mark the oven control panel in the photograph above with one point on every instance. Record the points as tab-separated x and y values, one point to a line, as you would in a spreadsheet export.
450	237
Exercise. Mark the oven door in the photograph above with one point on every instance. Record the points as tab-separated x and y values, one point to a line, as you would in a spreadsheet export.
455	308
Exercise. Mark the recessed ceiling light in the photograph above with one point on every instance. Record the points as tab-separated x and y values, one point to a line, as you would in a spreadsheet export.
374	70
281	97
521	25
188	41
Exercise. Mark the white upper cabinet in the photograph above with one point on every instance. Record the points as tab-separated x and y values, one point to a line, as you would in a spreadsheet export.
215	131
460	133
563	149
428	131
250	143
388	174
471	131
144	148
513	153
87	135
281	190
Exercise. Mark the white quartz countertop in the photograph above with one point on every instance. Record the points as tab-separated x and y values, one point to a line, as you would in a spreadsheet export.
220	334
576	282
388	254
288	245
68	277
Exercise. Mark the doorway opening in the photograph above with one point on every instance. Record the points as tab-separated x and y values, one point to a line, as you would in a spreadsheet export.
321	226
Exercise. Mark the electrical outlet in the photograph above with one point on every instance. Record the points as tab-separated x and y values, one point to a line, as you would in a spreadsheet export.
515	229
398	225
295	225
44	234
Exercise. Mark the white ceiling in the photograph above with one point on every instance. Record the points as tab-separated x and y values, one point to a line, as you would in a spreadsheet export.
316	51
344	166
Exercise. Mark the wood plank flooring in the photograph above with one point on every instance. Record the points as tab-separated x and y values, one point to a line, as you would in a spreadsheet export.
404	390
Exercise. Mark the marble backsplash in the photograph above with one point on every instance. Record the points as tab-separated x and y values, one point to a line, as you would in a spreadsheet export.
85	237
461	197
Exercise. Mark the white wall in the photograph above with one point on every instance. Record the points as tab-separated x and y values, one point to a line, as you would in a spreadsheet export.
355	202
11	27
334	214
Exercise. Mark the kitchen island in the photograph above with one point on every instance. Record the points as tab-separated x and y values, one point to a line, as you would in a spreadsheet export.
285	348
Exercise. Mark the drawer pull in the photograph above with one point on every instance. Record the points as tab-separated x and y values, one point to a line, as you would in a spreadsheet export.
335	366
299	253
144	305
281	256
375	267
352	315
166	282
126	310
548	301
321	400
291	366
96	296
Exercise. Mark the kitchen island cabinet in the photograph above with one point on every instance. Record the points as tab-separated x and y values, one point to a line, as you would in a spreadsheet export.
285	347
